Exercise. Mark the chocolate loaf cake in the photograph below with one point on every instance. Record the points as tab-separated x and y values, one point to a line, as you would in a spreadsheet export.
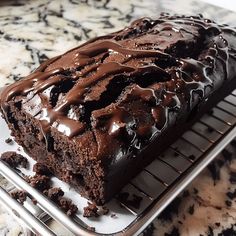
96	115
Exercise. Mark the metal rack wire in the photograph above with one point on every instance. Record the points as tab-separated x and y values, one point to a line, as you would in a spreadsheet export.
158	184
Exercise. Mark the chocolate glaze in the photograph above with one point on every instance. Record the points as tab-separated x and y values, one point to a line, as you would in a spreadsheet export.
166	66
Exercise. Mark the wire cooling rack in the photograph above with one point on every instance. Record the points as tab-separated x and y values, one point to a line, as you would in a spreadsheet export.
157	184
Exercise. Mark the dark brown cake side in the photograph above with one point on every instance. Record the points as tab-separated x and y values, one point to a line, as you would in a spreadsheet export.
100	112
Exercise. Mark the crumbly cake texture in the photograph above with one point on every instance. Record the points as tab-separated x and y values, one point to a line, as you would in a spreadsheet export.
14	159
96	115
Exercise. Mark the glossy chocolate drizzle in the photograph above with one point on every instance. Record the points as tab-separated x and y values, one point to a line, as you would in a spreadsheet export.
168	65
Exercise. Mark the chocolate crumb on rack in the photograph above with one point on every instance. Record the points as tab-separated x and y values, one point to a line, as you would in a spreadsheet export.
8	141
114	216
14	159
39	182
56	195
19	195
67	206
41	169
91	210
43	184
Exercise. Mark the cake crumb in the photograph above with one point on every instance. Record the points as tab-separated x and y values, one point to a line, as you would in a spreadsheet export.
14	159
43	184
54	194
8	141
114	216
40	182
41	169
91	210
19	195
67	206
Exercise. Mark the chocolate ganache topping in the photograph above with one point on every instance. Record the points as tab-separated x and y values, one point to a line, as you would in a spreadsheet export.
129	84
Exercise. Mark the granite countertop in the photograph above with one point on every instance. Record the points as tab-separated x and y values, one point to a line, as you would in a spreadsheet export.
32	31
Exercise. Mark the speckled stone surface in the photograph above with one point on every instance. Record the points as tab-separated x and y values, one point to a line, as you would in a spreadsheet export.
32	31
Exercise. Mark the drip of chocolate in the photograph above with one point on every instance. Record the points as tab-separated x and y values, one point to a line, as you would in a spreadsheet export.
165	63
